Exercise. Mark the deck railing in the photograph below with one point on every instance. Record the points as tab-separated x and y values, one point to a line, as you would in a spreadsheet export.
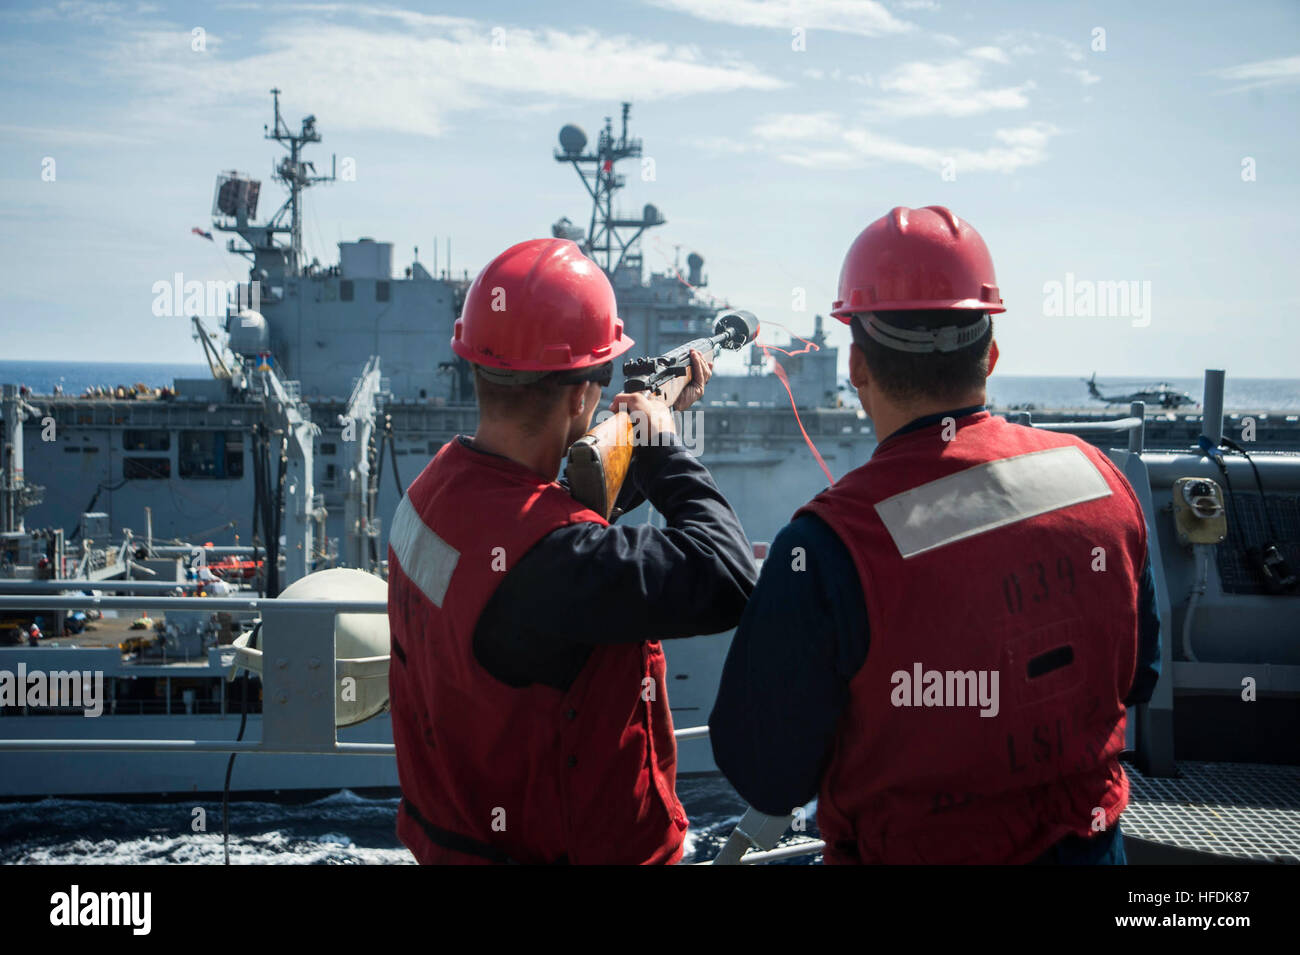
298	712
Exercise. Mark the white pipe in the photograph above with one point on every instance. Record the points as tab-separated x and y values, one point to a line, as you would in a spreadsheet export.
785	852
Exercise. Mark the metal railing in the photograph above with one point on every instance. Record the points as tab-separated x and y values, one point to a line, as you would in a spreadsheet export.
150	602
58	587
298	710
1134	424
292	671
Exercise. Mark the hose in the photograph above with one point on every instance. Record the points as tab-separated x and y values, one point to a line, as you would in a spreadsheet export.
1198	591
230	764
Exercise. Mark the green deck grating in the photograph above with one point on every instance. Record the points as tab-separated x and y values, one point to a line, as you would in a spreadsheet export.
1243	810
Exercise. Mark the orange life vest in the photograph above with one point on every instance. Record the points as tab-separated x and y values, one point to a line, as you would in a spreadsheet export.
1000	572
495	773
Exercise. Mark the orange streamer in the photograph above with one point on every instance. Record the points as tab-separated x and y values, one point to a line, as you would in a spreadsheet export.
776	366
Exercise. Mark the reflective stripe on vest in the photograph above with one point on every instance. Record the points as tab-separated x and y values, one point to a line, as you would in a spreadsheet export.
989	496
426	558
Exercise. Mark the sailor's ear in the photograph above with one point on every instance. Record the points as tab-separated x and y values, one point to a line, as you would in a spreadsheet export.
578	399
858	374
993	354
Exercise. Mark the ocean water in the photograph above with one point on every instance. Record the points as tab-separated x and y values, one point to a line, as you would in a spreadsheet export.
1240	394
340	829
77	376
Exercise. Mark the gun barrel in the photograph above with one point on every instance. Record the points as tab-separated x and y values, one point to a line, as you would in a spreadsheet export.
733	330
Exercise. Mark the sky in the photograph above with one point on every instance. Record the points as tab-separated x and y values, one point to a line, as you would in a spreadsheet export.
1149	146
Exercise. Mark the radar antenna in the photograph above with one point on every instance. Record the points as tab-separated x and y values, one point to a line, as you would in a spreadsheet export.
237	200
611	242
297	175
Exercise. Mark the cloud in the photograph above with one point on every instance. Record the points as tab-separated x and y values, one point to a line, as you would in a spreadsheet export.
407	18
861	17
724	145
953	88
825	158
917	5
990	53
399	71
76	11
824	140
1031	42
791	126
1021	146
1086	77
61	137
1262	73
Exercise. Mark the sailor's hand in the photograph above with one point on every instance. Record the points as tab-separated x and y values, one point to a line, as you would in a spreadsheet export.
650	415
701	372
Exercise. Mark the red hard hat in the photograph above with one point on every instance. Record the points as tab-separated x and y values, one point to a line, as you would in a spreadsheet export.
540	305
917	259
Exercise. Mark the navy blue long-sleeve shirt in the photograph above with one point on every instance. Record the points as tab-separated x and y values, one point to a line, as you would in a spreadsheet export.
803	637
588	584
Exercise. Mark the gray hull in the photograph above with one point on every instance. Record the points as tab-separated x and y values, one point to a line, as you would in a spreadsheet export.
693	668
175	774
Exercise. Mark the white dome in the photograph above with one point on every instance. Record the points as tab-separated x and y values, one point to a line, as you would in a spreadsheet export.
361	641
249	333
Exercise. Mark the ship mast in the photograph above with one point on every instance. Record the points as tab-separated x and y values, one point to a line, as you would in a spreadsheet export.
606	235
297	175
235	205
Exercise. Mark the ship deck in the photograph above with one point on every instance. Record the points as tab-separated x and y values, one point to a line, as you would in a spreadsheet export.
1229	811
104	632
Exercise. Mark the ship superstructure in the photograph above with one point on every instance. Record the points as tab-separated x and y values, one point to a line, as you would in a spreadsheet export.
321	323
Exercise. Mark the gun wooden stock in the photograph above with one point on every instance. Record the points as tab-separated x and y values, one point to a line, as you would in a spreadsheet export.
598	461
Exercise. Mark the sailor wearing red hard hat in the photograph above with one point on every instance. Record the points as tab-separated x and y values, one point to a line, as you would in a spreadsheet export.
530	712
933	648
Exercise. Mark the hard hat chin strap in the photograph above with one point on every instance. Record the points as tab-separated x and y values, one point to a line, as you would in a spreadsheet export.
949	338
602	374
509	376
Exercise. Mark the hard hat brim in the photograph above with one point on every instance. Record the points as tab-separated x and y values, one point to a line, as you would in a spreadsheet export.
845	313
598	357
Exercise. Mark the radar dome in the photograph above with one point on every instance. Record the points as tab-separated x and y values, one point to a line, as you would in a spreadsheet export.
572	139
249	333
361	641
